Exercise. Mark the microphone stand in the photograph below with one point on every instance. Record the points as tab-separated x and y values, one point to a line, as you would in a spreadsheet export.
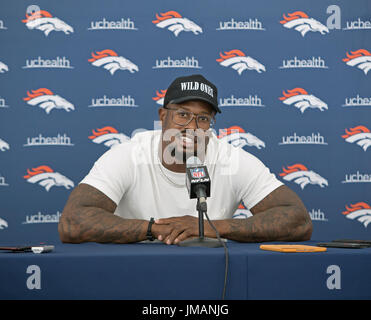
200	210
201	241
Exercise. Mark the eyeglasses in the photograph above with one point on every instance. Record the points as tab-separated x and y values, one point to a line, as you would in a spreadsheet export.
182	118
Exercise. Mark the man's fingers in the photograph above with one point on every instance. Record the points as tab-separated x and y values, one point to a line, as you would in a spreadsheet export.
161	231
183	219
164	221
175	229
183	236
172	236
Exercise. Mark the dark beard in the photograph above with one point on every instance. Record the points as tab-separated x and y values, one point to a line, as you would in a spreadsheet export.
185	154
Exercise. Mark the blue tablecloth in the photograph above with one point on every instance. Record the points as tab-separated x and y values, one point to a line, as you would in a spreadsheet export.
158	271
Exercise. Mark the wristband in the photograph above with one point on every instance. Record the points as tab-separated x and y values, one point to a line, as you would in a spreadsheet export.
149	231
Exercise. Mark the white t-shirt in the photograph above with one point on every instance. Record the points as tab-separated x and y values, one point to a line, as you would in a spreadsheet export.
132	176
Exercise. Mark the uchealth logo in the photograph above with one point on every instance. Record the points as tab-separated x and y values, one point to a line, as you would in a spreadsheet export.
42	218
317	215
169	62
358	24
3	67
42	20
104	24
357	101
250	101
47	178
360	58
111	61
3	182
47	100
39	62
175	23
2	26
251	24
237	137
160	96
123	101
299	63
302	176
359	135
40	140
3	103
314	138
238	61
301	99
360	211
108	136
4	145
357	178
301	22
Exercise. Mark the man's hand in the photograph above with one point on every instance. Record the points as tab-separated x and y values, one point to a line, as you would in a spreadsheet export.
280	216
176	229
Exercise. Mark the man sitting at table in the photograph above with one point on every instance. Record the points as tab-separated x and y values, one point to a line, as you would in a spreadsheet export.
145	177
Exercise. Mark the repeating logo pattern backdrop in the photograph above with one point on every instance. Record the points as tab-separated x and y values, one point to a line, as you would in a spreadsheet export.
78	77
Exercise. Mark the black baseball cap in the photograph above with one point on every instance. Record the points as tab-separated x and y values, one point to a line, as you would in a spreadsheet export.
193	87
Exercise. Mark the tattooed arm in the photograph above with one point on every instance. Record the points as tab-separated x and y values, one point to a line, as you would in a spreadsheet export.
88	216
280	216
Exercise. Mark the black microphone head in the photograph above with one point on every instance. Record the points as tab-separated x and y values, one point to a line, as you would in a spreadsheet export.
193	162
197	177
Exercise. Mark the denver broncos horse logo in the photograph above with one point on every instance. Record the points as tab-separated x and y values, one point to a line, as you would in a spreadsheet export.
359	211
47	178
360	59
42	20
302	100
109	60
300	174
4	145
242	212
359	135
160	97
238	61
109	136
47	100
3	67
300	21
237	137
173	21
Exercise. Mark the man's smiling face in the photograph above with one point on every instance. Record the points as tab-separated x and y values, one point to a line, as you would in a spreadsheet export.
183	140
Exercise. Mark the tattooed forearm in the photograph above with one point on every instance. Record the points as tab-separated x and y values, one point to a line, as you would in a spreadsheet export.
88	216
98	225
281	216
276	224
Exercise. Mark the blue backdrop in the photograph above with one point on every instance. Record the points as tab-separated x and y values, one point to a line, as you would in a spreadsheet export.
77	77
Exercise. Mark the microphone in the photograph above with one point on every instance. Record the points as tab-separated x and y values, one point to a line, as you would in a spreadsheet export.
197	181
198	186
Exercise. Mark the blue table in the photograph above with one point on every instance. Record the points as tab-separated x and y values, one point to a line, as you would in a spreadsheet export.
158	271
